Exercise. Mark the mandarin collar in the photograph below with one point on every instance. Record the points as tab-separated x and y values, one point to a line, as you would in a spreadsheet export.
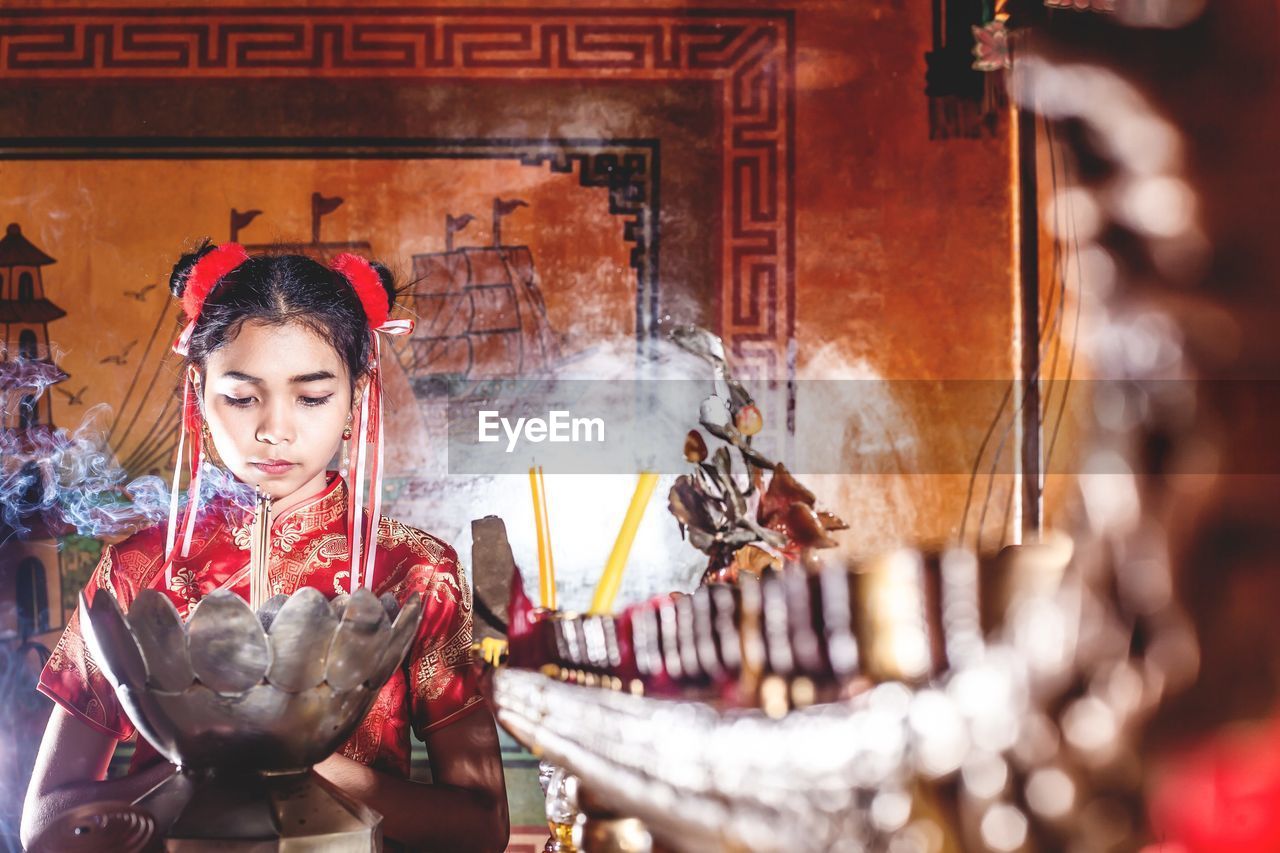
333	497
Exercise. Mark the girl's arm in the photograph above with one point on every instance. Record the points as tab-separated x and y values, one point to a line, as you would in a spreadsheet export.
72	760
465	806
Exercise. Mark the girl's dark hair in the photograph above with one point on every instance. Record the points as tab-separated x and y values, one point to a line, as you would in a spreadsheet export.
277	288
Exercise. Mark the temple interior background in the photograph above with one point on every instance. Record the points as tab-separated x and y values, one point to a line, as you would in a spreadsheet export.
998	276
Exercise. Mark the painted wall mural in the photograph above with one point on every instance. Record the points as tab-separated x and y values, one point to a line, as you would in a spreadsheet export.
556	187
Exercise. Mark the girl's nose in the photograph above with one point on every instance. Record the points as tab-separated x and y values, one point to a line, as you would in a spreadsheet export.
276	426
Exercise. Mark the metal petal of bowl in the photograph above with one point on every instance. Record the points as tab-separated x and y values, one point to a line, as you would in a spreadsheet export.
358	643
219	692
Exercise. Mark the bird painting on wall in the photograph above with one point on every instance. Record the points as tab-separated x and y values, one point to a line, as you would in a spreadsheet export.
140	295
76	399
120	358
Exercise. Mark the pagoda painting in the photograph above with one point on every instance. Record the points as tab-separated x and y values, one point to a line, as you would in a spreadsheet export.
30	579
30	571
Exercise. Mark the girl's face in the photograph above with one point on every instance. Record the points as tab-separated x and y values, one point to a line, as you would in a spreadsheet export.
277	399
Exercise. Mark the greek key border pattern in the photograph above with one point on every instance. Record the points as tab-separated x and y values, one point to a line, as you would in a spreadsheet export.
749	54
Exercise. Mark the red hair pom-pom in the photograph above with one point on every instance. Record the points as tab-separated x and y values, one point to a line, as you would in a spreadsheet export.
366	282
205	275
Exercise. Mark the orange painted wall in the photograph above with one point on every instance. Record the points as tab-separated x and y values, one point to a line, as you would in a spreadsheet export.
903	256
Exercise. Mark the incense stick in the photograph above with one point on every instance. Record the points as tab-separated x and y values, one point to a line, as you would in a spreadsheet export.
611	580
546	566
260	551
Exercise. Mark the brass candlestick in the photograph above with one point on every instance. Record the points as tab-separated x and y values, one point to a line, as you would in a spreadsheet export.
260	550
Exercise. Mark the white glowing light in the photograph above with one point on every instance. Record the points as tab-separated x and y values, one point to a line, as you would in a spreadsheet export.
942	740
1051	792
1110	493
1089	725
1004	827
890	810
985	775
1160	205
1097	270
1073	214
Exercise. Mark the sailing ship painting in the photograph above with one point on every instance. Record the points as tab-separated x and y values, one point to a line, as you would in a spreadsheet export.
480	312
322	250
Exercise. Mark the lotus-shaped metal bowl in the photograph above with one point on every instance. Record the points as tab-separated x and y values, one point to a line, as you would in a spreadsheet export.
231	689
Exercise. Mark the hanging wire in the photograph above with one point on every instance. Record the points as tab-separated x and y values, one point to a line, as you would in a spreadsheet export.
1050	329
1075	330
1055	310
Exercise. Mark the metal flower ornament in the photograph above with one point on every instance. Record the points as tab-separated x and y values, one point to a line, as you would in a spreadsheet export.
991	47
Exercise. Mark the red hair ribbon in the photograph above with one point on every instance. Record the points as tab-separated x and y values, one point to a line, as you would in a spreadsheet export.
362	532
367	284
212	268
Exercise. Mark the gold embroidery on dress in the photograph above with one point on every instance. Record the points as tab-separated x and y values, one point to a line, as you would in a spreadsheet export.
71	655
150	567
288	535
70	647
319	553
446	583
439	663
438	667
241	535
471	700
364	743
423	545
104	572
466	589
323	512
184	584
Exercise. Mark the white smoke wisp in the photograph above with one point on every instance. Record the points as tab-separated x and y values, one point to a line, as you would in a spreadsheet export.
585	511
71	479
857	448
850	416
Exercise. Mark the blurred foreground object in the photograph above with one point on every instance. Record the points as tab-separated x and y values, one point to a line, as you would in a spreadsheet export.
1104	693
1167	112
914	695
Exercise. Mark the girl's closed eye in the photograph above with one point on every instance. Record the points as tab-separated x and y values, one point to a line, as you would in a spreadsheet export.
316	401
238	402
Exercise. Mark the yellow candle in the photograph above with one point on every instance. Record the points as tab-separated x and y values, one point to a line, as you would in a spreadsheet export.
611	581
546	567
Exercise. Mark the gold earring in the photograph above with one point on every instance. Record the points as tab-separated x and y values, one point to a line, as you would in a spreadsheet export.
211	452
346	433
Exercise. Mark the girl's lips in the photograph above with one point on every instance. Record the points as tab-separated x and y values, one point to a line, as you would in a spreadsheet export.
273	467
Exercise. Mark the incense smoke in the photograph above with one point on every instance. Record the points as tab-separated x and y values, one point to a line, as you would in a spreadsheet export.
72	480
65	480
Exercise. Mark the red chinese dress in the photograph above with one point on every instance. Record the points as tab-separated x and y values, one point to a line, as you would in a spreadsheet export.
432	688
